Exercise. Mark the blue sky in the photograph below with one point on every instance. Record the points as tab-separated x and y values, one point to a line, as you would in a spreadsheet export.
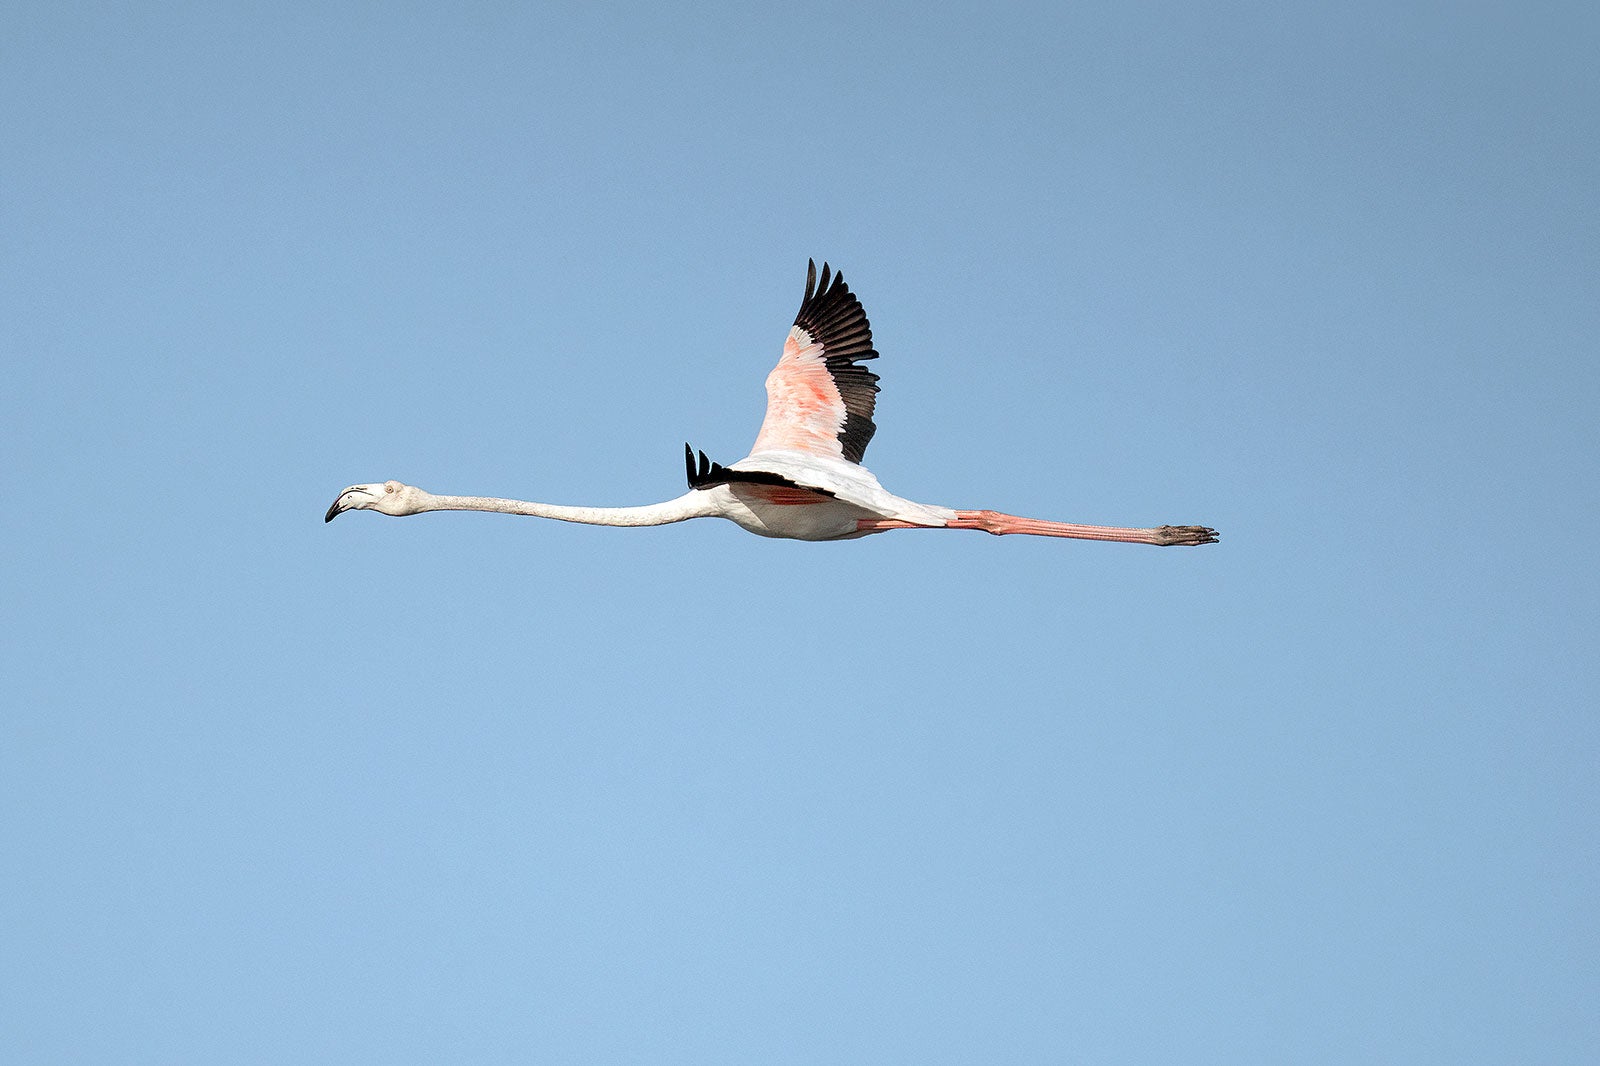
472	788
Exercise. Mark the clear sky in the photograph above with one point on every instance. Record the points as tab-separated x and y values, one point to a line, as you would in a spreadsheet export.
470	788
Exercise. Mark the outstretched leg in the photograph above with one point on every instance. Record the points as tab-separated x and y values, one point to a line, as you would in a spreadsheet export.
1000	524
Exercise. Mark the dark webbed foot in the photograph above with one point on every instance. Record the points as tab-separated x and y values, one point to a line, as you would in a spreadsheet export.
1186	535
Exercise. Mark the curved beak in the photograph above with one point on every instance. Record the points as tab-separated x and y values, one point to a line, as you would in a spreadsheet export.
340	507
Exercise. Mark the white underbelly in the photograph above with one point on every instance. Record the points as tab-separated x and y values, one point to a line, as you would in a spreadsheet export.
825	520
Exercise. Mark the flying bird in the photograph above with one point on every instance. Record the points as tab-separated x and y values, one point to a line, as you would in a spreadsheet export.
803	479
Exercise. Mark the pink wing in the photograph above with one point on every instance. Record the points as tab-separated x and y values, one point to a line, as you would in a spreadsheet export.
819	401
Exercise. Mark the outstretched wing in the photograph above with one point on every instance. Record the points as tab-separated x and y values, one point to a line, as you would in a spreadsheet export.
819	399
709	472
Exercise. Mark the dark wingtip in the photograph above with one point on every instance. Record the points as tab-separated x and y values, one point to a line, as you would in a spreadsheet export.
702	474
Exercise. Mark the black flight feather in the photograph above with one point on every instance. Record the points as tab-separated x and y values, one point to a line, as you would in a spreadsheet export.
833	317
707	473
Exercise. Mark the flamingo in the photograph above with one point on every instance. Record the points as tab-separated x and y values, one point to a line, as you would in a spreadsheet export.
803	479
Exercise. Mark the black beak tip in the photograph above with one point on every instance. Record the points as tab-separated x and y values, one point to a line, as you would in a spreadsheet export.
333	512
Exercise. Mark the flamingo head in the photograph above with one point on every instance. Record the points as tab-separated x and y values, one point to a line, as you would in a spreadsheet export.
387	497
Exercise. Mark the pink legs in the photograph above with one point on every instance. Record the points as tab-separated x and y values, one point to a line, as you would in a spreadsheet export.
1001	524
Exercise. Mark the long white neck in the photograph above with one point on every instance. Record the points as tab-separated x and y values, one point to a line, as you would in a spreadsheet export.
690	505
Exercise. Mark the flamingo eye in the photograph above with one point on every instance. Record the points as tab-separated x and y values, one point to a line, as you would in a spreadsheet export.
390	487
